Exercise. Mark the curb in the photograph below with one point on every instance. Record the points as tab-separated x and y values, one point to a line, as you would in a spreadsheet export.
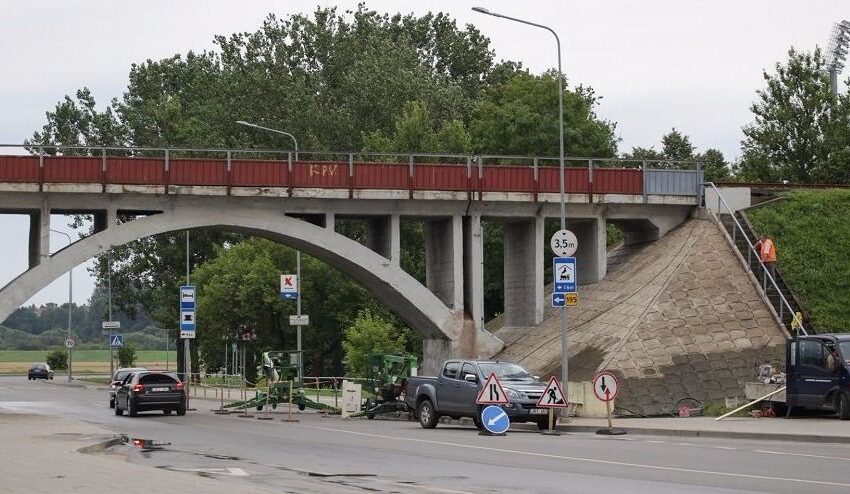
101	446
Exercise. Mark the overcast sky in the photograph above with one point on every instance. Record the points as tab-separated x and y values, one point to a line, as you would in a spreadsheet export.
693	65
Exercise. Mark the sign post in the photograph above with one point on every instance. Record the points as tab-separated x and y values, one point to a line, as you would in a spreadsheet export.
493	418
564	244
553	397
606	388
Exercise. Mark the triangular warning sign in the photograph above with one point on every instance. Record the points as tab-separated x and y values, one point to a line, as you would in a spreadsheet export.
553	396
492	393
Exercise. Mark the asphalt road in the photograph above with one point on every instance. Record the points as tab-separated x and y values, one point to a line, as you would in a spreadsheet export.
328	455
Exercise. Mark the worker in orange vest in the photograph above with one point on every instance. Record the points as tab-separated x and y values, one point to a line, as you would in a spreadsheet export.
767	252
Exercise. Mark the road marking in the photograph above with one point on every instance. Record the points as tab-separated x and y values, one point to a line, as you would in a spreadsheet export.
232	472
587	460
727	448
800	454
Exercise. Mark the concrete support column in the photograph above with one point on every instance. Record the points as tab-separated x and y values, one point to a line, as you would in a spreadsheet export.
591	254
523	248
444	260
384	237
44	230
101	220
473	269
330	221
35	245
434	352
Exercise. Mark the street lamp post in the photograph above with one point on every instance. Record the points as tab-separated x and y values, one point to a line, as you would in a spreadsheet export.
249	124
564	341
70	300
297	253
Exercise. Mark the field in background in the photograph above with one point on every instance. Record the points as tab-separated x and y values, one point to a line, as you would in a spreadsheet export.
18	361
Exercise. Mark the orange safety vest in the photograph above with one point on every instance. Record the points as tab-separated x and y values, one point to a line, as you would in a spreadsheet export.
768	251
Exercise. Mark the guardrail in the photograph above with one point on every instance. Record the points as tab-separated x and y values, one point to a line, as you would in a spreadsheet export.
737	230
474	175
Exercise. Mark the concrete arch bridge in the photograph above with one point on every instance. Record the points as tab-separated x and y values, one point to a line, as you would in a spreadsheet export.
297	200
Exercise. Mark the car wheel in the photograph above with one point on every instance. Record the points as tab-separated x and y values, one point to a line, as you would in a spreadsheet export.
167	411
543	424
131	409
118	410
182	410
843	406
112	403
427	415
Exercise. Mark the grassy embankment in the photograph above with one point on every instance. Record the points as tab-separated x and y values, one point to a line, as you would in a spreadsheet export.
18	361
811	229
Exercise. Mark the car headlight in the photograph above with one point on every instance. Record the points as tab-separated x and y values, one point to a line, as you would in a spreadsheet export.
513	394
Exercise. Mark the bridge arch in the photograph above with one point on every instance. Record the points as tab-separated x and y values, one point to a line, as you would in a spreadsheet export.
408	298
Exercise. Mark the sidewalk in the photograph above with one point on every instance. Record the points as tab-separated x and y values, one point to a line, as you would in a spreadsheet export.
807	429
42	455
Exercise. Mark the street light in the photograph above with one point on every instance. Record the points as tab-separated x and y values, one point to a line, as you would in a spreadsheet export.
70	300
297	255
564	343
249	124
837	52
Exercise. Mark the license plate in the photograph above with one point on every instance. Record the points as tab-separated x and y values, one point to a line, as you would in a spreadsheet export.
160	389
538	411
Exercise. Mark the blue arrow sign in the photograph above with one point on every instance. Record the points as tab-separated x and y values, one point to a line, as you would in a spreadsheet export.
495	420
559	300
117	341
564	274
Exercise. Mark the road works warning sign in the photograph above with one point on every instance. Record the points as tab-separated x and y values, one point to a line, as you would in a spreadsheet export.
492	393
554	396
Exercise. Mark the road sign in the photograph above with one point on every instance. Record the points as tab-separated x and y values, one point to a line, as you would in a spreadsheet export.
69	343
553	396
111	325
302	320
563	243
187	296
187	311
564	274
605	386
572	299
559	300
492	393
288	286
495	420
117	341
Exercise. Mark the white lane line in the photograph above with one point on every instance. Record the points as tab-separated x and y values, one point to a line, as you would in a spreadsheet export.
655	441
800	454
727	448
587	460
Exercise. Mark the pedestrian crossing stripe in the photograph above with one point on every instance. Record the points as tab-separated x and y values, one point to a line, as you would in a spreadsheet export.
553	396
492	393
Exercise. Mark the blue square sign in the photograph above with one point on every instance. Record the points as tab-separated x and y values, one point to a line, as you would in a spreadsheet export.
564	274
559	300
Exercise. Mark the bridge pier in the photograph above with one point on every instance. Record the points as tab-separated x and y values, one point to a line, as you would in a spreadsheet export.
591	255
384	237
523	249
444	260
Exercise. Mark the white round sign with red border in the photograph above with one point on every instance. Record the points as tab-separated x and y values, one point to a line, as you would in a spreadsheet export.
605	386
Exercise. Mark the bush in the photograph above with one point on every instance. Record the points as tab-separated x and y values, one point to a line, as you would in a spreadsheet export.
57	359
126	356
369	333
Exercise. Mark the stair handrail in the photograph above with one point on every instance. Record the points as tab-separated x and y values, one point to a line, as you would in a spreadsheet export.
752	250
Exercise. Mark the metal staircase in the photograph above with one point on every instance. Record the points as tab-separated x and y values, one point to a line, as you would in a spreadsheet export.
774	288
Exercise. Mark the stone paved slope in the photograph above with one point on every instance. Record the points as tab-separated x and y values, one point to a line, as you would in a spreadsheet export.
675	318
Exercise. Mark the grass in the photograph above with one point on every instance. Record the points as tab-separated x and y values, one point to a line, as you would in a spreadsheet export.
811	229
17	361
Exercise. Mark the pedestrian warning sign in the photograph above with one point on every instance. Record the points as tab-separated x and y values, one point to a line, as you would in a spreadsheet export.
553	396
492	393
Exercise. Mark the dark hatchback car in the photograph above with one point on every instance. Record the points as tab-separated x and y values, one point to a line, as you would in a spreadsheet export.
39	371
144	391
117	377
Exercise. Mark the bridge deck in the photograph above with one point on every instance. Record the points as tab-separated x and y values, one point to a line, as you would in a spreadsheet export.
344	179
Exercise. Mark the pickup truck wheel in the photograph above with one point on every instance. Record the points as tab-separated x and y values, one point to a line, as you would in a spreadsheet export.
427	414
543	424
842	406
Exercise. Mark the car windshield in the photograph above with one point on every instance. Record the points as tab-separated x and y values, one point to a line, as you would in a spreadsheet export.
844	347
39	366
504	370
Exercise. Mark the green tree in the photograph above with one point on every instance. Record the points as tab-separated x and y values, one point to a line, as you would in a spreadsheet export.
369	333
677	146
126	356
57	359
800	129
520	117
714	164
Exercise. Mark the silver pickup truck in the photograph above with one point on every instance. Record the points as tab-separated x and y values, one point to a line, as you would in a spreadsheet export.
453	392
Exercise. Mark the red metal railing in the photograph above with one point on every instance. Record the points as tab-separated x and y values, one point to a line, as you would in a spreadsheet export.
472	177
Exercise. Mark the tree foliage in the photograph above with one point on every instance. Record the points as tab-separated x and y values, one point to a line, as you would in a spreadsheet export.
369	333
801	130
57	359
126	356
677	152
